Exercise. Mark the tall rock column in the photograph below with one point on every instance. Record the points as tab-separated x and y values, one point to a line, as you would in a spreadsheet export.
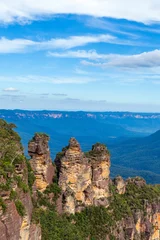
41	162
100	163
83	178
74	176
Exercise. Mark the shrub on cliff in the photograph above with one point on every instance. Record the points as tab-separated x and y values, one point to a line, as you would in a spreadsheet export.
2	205
20	208
10	146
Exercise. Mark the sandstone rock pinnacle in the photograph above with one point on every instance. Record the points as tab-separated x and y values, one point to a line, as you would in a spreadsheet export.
83	178
41	162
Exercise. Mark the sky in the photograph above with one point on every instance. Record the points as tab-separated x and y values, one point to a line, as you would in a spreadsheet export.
94	55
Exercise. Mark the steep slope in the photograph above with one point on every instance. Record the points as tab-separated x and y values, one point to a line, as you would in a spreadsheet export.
15	199
139	154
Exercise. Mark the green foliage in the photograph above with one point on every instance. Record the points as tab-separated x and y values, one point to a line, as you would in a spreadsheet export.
134	199
31	176
10	148
20	208
19	159
137	195
60	155
96	222
31	179
93	222
94	153
21	184
58	227
44	201
13	195
2	204
6	186
53	188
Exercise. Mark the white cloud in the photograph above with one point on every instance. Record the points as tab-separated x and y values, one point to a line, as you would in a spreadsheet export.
15	45
91	54
24	10
115	27
22	45
46	79
10	89
75	41
143	60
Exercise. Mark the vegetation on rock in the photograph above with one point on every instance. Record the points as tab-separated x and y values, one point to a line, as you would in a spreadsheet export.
20	208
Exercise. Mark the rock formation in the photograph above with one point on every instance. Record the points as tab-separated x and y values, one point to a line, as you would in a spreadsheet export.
84	179
144	223
13	224
41	162
120	185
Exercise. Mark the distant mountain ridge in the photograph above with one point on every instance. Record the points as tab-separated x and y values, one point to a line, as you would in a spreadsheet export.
148	122
139	153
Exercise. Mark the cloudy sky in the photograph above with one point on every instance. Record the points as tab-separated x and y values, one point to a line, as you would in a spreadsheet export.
96	55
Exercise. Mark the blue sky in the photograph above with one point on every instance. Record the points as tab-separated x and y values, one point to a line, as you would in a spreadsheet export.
98	56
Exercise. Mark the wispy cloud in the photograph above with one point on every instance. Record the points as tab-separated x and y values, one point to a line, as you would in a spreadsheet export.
27	10
59	94
10	89
108	25
91	54
48	79
143	60
22	45
123	28
15	45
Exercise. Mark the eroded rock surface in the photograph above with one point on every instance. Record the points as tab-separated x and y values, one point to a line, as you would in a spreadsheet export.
120	185
84	179
41	162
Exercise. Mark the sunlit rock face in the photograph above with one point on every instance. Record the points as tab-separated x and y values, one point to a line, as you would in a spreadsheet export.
41	162
84	178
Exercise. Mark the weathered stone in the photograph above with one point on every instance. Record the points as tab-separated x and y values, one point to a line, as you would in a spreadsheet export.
84	180
120	185
41	162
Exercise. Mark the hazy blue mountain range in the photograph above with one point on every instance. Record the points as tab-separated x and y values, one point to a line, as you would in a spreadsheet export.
139	154
134	149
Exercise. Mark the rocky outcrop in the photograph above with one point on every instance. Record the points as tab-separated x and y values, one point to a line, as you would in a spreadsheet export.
13	225
140	226
41	162
84	179
120	185
15	199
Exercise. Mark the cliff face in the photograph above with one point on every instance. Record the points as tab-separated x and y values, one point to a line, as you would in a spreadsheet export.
84	179
41	162
143	223
15	199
